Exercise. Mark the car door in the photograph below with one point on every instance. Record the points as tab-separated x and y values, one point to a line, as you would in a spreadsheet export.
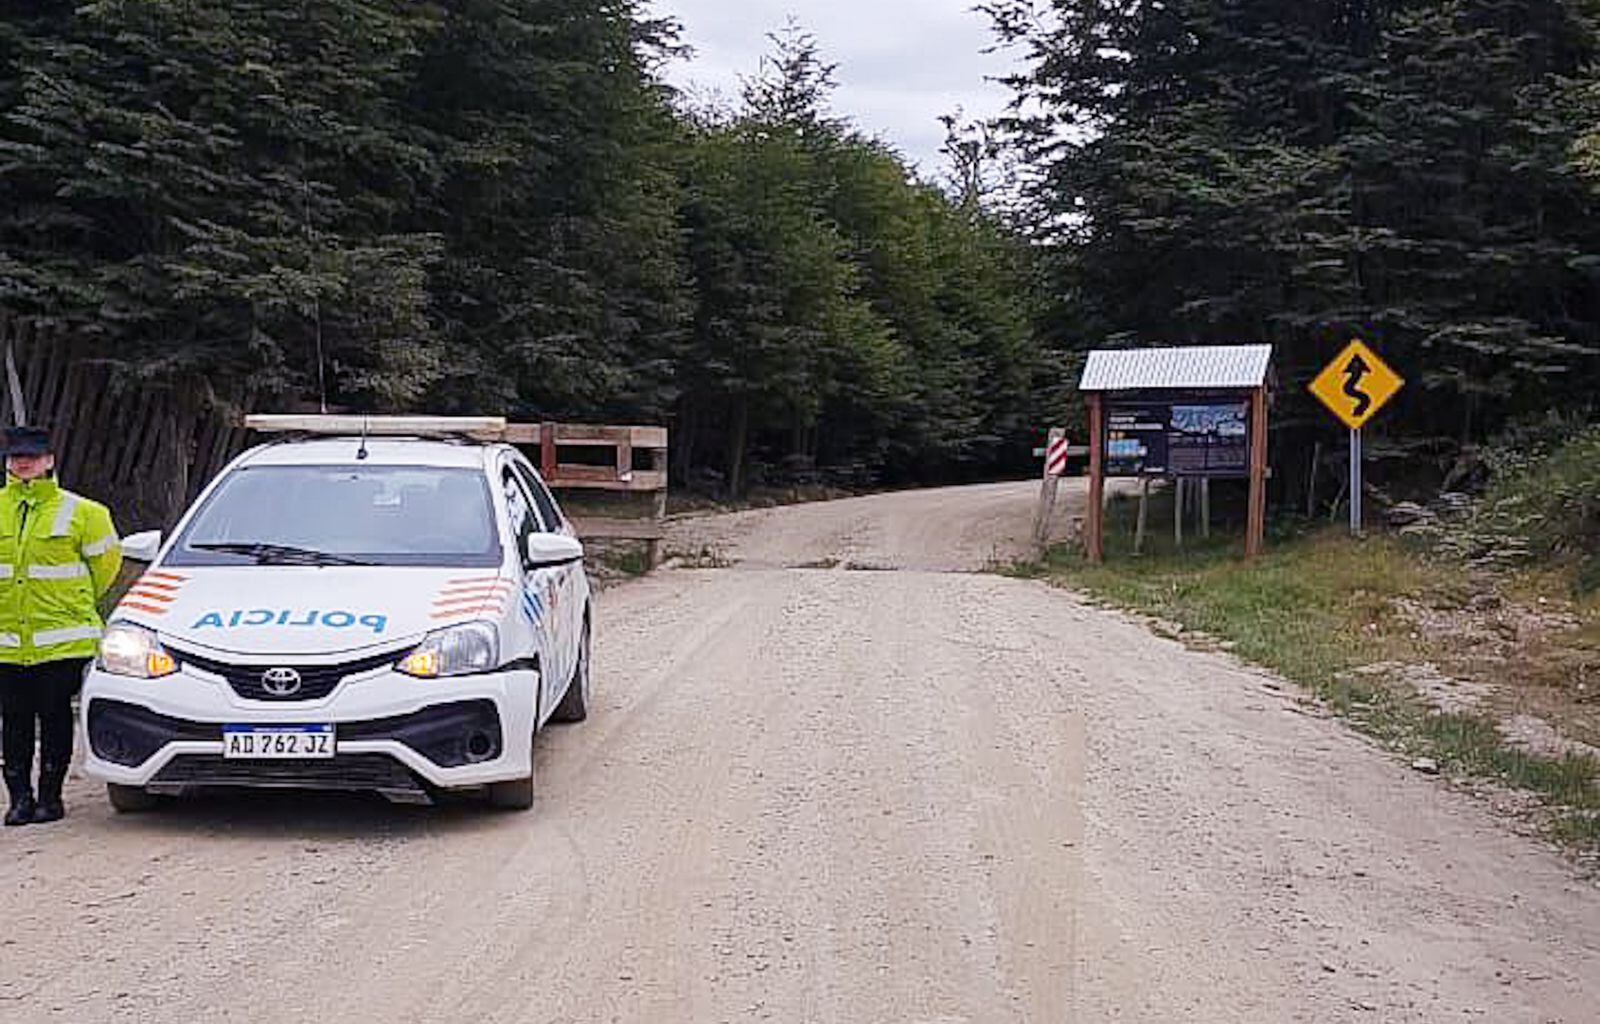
540	595
571	577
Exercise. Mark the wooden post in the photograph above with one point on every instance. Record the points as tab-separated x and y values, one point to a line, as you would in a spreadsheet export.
658	509
1256	530
1205	508
547	451
180	448
18	404
1047	494
1311	485
1178	490
1144	516
1094	520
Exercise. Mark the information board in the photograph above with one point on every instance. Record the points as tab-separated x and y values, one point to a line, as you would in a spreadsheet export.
1186	438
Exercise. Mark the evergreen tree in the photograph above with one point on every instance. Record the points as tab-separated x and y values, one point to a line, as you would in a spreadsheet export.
1303	172
204	186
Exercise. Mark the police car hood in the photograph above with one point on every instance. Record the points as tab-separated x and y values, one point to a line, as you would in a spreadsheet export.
309	610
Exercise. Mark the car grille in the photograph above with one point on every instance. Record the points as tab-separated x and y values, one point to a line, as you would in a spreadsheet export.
316	681
361	772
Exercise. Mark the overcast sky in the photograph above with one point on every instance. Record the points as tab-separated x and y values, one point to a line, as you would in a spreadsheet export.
902	63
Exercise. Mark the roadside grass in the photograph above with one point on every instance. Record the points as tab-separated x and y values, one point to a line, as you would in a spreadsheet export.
1315	608
622	558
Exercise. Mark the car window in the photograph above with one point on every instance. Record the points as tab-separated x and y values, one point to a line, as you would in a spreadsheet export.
379	515
548	510
524	518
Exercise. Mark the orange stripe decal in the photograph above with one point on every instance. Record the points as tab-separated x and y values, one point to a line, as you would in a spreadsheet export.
174	577
481	588
135	606
150	595
468	609
481	595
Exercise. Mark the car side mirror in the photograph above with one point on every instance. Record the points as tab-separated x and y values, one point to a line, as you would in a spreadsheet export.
548	550
142	547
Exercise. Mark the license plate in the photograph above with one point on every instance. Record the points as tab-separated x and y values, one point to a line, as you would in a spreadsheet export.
277	742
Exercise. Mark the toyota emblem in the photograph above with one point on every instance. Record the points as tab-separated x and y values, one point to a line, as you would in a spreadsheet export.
281	682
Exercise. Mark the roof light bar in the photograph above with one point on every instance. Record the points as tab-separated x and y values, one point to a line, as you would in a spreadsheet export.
480	428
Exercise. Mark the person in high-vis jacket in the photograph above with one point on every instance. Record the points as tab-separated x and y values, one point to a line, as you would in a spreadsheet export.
59	554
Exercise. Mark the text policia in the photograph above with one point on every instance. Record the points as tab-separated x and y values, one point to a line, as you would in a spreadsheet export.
262	617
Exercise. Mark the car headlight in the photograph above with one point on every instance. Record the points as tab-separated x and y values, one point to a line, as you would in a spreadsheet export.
129	650
456	651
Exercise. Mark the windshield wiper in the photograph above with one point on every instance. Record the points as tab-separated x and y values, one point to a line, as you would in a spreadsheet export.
279	554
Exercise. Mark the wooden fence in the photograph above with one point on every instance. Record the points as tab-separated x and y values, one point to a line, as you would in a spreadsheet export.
145	448
632	461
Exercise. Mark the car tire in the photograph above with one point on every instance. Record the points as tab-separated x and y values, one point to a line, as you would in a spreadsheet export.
512	795
130	799
517	794
574	706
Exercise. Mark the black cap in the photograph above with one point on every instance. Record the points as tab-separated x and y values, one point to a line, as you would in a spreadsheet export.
27	441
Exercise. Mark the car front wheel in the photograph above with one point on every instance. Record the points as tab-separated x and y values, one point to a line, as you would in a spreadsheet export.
130	799
574	706
512	795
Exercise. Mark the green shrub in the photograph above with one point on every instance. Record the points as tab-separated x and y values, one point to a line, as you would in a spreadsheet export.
1551	502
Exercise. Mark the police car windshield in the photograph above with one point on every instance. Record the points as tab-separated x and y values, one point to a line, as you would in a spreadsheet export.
346	515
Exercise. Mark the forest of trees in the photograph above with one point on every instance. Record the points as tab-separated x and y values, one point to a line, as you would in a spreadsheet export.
499	206
1418	173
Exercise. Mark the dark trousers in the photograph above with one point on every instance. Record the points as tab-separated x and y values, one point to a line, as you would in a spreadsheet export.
43	692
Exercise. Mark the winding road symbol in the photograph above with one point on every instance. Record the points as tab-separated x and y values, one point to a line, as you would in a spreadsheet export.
1356	385
1354	371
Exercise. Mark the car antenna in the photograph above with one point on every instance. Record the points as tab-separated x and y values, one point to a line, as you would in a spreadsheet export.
361	453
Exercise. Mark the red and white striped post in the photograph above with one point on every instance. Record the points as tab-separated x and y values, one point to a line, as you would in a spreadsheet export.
1055	467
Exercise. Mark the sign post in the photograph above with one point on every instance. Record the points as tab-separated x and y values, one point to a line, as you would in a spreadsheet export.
1055	464
1094	524
1356	518
1056	452
1354	387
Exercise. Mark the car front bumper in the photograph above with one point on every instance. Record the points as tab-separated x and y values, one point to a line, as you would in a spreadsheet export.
393	733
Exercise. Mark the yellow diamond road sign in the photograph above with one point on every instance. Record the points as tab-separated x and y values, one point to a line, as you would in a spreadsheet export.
1356	385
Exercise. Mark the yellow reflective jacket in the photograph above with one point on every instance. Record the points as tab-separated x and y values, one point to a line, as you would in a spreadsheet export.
59	554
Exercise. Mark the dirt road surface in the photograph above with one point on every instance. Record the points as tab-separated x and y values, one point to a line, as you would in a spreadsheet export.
924	794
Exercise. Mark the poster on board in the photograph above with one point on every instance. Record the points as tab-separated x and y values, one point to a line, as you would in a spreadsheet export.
1180	438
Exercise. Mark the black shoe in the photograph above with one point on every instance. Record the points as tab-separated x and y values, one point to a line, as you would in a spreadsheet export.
22	811
49	806
19	784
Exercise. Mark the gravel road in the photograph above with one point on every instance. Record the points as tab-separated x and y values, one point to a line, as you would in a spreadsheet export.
923	794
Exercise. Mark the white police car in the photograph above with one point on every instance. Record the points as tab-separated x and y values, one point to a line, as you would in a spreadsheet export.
377	612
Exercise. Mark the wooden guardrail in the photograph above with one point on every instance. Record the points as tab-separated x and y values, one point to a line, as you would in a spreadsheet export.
637	465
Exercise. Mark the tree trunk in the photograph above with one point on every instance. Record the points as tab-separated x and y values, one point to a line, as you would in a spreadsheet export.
738	431
683	441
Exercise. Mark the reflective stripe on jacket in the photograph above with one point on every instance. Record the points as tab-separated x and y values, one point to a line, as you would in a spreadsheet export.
59	554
